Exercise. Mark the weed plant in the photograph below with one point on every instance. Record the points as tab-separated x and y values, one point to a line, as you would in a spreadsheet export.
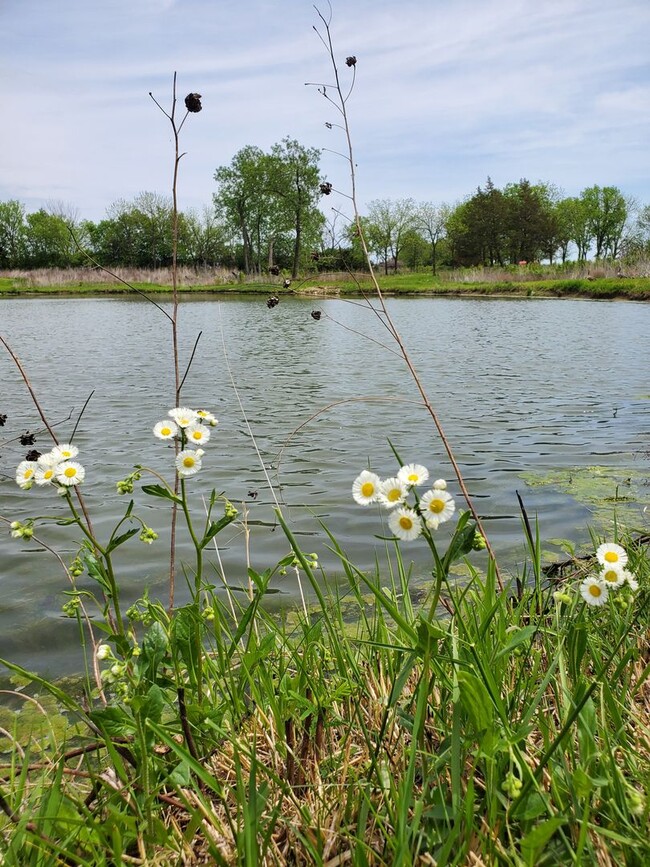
488	722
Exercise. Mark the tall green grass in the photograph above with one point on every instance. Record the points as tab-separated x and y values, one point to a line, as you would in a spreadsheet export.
509	728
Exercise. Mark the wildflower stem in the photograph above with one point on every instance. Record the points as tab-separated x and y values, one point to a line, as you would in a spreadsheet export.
341	106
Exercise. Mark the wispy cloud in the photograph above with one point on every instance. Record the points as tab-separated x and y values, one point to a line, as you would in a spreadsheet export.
446	93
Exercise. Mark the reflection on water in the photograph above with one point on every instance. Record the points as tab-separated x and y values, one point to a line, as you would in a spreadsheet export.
520	385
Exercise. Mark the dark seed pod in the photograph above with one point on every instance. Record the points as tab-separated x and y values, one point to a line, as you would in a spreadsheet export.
275	270
272	301
326	188
286	283
28	439
193	102
3	419
351	61
33	455
316	314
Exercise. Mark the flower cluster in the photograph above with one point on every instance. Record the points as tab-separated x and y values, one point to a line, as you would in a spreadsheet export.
57	467
434	507
610	576
189	427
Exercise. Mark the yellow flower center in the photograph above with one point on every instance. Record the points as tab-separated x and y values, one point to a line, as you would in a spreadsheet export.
70	472
367	489
413	477
595	590
611	557
436	506
48	474
611	575
394	494
197	435
405	523
29	473
165	431
188	462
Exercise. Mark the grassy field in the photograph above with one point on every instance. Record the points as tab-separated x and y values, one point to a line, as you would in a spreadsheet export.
96	283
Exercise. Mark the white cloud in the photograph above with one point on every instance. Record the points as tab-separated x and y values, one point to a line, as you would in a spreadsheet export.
446	93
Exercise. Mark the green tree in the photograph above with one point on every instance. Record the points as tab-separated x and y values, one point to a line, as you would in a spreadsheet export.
607	212
529	222
293	179
245	205
48	241
580	225
386	225
12	234
431	222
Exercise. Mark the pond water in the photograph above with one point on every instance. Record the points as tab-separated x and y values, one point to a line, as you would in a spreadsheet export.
525	389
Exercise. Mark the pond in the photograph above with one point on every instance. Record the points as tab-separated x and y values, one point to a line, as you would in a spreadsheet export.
549	398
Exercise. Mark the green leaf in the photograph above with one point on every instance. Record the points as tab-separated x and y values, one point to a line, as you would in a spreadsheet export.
154	648
113	721
428	636
216	527
461	542
163	492
476	701
535	840
95	570
520	637
119	540
152	706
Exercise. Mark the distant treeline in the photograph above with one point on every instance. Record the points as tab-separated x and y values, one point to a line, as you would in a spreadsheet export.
266	216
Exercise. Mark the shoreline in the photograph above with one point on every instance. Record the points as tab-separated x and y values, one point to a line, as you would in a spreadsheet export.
614	289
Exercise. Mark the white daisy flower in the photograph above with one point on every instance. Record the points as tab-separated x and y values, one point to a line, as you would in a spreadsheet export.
64	452
413	474
45	474
188	462
365	488
25	472
612	576
610	554
70	473
440	485
49	459
593	591
165	430
405	523
207	417
183	416
631	580
437	506
197	434
392	492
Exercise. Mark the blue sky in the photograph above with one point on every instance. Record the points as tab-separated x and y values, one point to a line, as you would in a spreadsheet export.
447	93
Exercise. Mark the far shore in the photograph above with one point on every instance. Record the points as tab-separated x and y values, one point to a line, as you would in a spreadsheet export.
323	286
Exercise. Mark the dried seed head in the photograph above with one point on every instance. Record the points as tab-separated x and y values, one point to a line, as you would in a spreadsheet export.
272	301
351	61
3	419
286	283
326	188
193	102
316	314
33	455
28	439
275	270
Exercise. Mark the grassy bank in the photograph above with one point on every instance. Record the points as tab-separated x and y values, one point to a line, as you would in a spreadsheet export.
514	730
630	288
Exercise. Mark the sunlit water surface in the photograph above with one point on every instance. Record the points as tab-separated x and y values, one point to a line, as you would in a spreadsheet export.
521	386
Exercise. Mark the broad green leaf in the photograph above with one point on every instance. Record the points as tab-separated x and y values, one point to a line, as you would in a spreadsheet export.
161	491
